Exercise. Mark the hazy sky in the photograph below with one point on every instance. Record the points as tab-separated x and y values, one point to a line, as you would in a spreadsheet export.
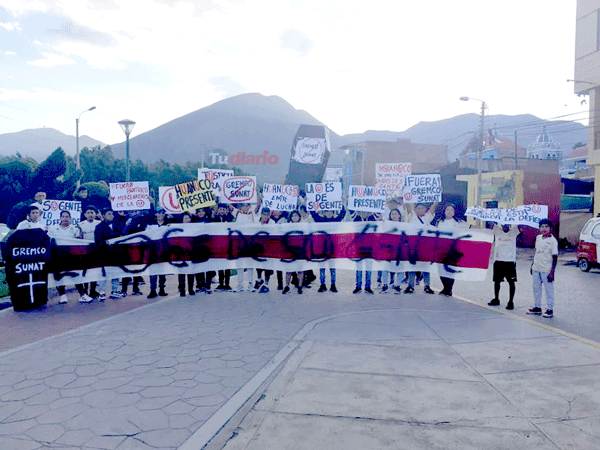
354	65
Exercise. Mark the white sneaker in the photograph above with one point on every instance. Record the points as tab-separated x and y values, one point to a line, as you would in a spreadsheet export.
86	299
63	299
238	289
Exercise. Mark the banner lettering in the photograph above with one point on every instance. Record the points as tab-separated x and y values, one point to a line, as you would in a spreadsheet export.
324	196
280	197
51	211
367	198
130	196
529	215
194	195
193	248
422	188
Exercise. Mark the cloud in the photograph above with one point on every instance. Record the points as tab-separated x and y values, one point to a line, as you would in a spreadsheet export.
227	86
71	31
296	40
10	26
52	60
8	53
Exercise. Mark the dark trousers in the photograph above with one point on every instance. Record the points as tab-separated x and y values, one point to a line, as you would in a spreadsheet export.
448	283
224	277
136	283
190	279
161	279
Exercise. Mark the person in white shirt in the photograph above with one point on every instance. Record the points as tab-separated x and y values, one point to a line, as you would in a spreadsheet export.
244	215
262	286
33	219
65	229
449	223
423	217
87	227
544	264
505	262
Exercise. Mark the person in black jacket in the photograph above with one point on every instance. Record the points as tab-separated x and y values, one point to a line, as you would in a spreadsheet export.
109	229
323	217
224	215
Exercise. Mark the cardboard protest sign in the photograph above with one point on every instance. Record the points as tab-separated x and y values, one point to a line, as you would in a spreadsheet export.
390	176
367	198
215	176
238	190
167	198
422	188
324	196
309	150
51	211
280	197
529	215
130	196
194	195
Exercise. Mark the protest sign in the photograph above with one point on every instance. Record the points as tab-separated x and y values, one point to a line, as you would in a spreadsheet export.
390	176
422	188
238	190
324	196
367	198
280	197
167	198
461	254
51	211
215	176
529	215
194	195
130	196
309	150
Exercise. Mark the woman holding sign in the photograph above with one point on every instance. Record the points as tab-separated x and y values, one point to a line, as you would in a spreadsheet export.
449	223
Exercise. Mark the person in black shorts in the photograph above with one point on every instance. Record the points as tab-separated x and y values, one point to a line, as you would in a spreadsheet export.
505	265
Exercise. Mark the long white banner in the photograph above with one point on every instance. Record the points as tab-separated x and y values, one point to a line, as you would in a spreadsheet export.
529	215
195	248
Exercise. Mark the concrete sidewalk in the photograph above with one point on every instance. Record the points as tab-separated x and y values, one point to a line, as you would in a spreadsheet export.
423	379
330	370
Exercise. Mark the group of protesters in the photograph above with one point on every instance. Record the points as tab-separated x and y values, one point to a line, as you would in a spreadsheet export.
100	225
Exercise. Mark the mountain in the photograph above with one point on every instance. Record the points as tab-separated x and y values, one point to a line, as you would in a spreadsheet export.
457	131
254	123
39	143
250	123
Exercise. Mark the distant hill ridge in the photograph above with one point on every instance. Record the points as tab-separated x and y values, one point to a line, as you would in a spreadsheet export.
254	123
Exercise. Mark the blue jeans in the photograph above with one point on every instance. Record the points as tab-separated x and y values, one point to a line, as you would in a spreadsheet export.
539	279
367	279
413	275
322	275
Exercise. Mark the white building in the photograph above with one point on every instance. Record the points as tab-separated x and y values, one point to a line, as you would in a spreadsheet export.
545	147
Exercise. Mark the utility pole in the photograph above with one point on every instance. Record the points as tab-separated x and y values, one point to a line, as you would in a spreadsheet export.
480	152
516	155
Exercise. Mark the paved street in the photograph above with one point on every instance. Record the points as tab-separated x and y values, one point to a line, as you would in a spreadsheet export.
176	370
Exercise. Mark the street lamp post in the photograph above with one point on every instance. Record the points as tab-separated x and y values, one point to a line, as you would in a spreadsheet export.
480	150
77	163
127	126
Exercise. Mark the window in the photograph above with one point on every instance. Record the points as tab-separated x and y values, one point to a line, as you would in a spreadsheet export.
596	231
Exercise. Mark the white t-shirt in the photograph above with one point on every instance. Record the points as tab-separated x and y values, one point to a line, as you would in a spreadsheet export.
505	248
70	231
425	220
450	224
242	217
29	225
87	229
545	248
